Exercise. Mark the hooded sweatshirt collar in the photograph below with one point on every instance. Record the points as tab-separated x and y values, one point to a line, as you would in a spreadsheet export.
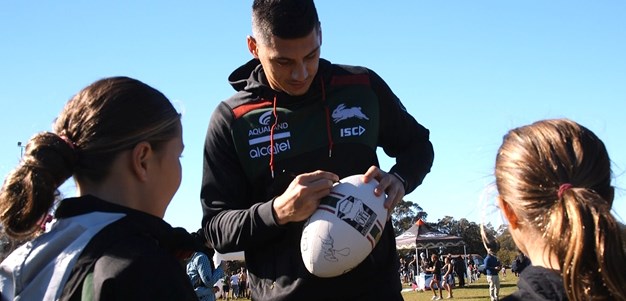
250	77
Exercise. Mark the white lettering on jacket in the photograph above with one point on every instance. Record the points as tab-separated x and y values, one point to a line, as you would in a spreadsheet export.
266	129
351	132
263	151
277	136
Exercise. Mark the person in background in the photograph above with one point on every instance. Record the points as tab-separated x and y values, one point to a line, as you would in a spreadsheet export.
243	283
435	269
226	287
424	263
234	285
471	270
492	270
412	267
121	141
448	273
520	263
553	178
403	270
202	271
296	125
460	269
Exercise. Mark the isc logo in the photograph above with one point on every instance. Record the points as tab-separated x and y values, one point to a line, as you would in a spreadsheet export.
353	131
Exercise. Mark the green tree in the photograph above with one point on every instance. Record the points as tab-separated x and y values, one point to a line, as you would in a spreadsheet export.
469	231
508	249
405	214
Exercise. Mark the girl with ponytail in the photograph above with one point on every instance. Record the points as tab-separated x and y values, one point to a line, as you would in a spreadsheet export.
554	183
121	141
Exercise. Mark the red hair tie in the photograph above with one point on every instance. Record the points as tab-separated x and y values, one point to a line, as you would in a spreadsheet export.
563	188
69	142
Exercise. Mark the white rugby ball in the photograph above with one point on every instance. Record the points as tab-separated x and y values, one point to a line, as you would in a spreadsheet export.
344	229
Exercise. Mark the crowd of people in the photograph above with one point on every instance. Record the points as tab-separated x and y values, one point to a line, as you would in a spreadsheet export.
447	271
235	285
121	140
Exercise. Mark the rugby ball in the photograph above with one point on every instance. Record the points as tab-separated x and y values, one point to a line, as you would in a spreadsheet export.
344	229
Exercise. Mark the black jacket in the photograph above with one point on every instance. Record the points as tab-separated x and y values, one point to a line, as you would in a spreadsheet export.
337	126
139	257
538	284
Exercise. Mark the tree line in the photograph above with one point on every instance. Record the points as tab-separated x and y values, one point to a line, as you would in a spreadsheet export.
406	213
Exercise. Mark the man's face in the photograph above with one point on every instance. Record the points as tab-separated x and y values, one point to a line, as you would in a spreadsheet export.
289	64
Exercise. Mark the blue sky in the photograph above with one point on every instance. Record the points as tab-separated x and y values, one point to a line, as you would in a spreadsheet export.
467	70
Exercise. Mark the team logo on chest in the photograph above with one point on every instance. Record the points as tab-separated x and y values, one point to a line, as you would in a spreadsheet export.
259	137
265	118
342	112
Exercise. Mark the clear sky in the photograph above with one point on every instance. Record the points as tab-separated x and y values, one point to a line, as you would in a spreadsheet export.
467	70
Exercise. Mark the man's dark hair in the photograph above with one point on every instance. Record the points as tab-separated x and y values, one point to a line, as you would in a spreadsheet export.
286	19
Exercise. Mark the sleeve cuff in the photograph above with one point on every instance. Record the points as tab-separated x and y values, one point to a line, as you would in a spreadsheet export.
267	214
402	180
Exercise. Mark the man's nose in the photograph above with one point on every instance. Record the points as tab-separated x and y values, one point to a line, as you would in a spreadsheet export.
299	72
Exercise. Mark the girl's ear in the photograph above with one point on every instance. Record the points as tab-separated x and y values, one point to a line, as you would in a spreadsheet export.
140	156
508	212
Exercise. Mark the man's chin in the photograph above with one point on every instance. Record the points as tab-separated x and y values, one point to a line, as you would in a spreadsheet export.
297	90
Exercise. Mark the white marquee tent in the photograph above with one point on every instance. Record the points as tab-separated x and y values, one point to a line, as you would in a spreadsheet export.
421	236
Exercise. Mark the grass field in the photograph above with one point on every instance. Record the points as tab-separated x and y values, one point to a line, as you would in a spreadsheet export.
475	291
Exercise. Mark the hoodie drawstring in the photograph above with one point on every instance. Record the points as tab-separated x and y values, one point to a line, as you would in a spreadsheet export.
272	138
328	132
328	129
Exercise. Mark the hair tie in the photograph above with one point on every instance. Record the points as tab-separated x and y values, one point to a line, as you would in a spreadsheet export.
44	221
68	141
563	188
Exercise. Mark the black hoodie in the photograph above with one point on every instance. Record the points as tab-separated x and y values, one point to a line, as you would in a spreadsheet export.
539	284
336	126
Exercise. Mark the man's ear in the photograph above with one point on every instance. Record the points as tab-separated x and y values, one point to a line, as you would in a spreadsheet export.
320	33
252	47
508	212
140	156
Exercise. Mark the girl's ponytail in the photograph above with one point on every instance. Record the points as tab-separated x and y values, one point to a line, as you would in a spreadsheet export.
30	190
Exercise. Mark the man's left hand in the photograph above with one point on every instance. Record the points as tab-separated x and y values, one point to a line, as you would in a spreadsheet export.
388	184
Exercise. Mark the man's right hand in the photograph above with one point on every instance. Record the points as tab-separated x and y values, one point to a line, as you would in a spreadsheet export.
303	196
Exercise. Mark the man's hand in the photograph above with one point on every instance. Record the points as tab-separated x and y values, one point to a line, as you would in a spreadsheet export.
303	196
387	183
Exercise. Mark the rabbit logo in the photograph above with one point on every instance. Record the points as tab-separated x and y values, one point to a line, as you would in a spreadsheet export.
342	113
